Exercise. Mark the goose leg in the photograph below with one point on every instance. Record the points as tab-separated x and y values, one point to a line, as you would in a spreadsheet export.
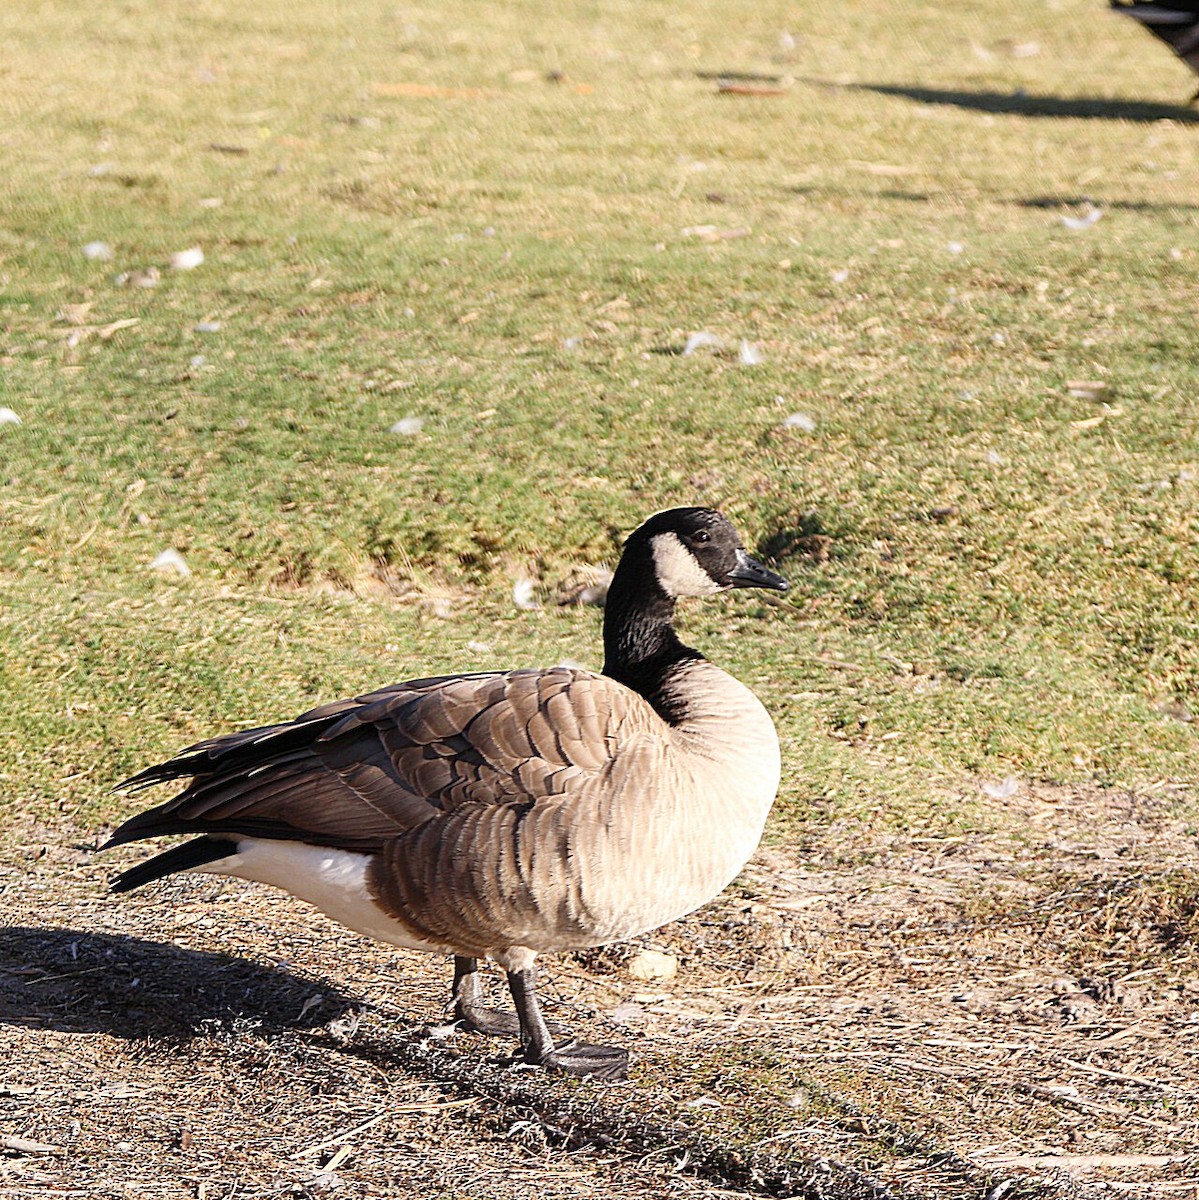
608	1063
469	1007
478	1017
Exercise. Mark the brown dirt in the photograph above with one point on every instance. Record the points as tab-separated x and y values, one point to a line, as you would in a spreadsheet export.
1003	1014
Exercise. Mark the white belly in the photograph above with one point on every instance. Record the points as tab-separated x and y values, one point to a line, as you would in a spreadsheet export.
332	880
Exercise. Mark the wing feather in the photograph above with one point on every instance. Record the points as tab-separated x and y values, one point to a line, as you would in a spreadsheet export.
358	773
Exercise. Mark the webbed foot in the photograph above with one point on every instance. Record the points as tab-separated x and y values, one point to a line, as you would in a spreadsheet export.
608	1064
494	1022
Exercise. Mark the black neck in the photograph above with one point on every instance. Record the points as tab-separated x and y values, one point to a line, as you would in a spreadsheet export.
640	644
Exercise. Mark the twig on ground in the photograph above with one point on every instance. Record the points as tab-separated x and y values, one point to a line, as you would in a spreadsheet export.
1178	1185
432	1106
1080	1162
1122	1076
1048	1093
20	1145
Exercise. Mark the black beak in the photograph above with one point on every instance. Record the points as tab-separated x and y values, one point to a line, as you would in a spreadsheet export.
750	573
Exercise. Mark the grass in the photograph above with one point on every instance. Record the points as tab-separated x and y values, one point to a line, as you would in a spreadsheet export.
1011	572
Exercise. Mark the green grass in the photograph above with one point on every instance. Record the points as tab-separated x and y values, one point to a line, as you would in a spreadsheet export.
1012	569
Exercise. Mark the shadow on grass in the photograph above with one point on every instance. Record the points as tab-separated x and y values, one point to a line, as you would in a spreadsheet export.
1134	206
75	981
1021	104
1066	203
806	540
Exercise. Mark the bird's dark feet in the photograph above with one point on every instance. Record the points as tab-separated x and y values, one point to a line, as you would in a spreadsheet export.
494	1022
472	1014
609	1064
537	1036
497	1022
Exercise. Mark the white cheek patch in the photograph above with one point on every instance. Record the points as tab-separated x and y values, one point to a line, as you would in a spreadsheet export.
679	574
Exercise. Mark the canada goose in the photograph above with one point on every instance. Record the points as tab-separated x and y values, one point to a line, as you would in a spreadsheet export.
1175	22
505	814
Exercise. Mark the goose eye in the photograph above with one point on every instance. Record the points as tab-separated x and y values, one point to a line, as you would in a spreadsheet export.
701	536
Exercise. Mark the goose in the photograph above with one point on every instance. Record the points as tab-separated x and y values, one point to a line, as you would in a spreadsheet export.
1175	22
504	814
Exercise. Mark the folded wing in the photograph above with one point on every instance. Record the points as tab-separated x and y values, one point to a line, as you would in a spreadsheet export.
356	773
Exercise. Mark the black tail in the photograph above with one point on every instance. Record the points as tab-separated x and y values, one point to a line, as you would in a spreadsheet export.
179	858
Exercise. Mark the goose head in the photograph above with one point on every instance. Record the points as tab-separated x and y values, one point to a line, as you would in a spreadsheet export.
697	552
680	552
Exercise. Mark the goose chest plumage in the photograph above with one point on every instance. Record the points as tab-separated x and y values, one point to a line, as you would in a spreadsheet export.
505	814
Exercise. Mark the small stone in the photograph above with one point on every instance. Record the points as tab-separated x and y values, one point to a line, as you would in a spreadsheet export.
171	562
627	1013
650	965
187	260
143	277
1089	389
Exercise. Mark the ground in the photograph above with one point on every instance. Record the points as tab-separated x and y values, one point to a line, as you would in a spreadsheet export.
939	1015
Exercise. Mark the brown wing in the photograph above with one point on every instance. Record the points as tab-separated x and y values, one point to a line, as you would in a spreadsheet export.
357	773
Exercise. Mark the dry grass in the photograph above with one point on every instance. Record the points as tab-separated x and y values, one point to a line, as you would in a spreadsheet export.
932	1014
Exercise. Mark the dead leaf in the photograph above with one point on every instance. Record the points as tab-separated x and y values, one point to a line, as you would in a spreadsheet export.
1088	389
104	332
733	87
